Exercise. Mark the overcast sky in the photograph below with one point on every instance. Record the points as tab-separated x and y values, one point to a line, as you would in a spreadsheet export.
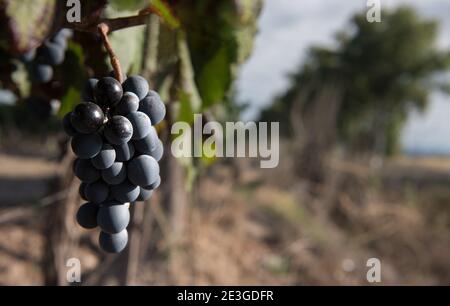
287	28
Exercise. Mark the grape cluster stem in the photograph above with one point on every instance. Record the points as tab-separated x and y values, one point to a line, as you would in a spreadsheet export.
105	26
103	29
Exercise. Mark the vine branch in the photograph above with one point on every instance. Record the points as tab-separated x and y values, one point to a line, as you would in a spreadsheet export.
112	24
103	30
105	26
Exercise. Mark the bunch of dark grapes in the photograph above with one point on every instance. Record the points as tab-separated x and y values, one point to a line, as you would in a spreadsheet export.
40	61
118	150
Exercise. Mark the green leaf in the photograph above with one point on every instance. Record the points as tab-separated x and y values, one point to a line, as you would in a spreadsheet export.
185	112
74	63
215	78
28	22
128	44
211	152
20	78
165	13
70	99
75	80
128	5
245	34
220	35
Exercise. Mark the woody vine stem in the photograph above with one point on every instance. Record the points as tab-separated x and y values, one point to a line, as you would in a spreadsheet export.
105	26
103	30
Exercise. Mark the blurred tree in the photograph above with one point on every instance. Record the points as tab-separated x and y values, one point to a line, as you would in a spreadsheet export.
379	72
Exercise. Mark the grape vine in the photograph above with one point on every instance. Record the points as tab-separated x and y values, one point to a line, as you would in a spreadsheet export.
117	149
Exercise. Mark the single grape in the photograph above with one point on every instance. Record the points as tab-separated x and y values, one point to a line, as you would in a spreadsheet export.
82	191
113	217
128	104
124	152
29	56
60	41
55	106
61	37
141	125
86	145
143	170
105	158
87	215
88	91
97	192
108	92
87	117
84	170
118	130
147	144
125	192
50	54
115	174
65	32
136	84
158	152
144	194
113	243
153	107
41	73
155	184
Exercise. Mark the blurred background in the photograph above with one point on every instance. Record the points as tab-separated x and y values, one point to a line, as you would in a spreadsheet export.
364	166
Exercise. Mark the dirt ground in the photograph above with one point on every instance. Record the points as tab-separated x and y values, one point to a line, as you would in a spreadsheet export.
260	226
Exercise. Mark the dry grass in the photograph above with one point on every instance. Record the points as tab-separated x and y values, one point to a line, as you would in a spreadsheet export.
267	227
